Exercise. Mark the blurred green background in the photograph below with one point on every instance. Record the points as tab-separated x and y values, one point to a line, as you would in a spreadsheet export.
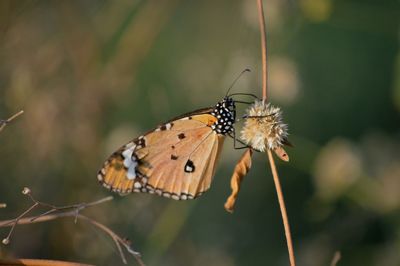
91	75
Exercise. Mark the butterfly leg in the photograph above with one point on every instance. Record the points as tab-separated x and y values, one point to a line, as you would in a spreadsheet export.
237	140
257	116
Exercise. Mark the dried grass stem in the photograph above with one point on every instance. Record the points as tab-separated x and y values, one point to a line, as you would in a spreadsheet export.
4	123
270	157
263	49
282	206
55	212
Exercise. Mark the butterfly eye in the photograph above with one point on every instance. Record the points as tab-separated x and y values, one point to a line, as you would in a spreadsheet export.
231	102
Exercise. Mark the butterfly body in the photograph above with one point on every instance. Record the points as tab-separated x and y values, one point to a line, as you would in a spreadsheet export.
177	159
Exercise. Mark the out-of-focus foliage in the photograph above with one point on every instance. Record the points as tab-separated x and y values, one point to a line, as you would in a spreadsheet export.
91	75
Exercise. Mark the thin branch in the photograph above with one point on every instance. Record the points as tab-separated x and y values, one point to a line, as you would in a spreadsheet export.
37	262
6	240
4	123
283	208
270	157
117	240
263	49
56	212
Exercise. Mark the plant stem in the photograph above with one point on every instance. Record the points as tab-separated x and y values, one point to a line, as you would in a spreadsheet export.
68	211
3	123
282	206
263	49
270	157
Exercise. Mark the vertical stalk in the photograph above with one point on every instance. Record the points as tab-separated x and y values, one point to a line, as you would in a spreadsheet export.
263	49
270	157
282	206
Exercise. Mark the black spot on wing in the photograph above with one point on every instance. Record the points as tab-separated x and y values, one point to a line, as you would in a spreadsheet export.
189	166
174	157
181	136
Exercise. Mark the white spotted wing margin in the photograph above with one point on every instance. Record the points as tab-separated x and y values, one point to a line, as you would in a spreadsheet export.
176	160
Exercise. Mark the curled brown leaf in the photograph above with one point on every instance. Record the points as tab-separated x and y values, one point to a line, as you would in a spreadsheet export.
281	153
241	169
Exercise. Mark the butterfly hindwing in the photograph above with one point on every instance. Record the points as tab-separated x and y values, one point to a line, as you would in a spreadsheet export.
180	171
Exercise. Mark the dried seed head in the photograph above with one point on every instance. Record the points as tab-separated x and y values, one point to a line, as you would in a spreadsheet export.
5	241
263	128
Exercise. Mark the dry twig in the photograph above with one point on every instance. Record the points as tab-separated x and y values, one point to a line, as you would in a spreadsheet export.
56	212
37	262
4	123
282	206
270	157
241	169
263	49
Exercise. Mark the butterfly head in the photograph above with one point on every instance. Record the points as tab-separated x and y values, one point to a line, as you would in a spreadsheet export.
225	112
228	102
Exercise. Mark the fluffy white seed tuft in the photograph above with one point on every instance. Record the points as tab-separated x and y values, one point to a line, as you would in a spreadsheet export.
263	127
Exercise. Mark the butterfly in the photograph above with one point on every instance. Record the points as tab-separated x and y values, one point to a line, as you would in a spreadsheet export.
177	159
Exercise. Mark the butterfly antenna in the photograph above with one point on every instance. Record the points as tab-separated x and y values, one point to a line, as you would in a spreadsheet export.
246	94
236	79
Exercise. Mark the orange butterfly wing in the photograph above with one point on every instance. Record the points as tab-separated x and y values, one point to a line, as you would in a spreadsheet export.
176	160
